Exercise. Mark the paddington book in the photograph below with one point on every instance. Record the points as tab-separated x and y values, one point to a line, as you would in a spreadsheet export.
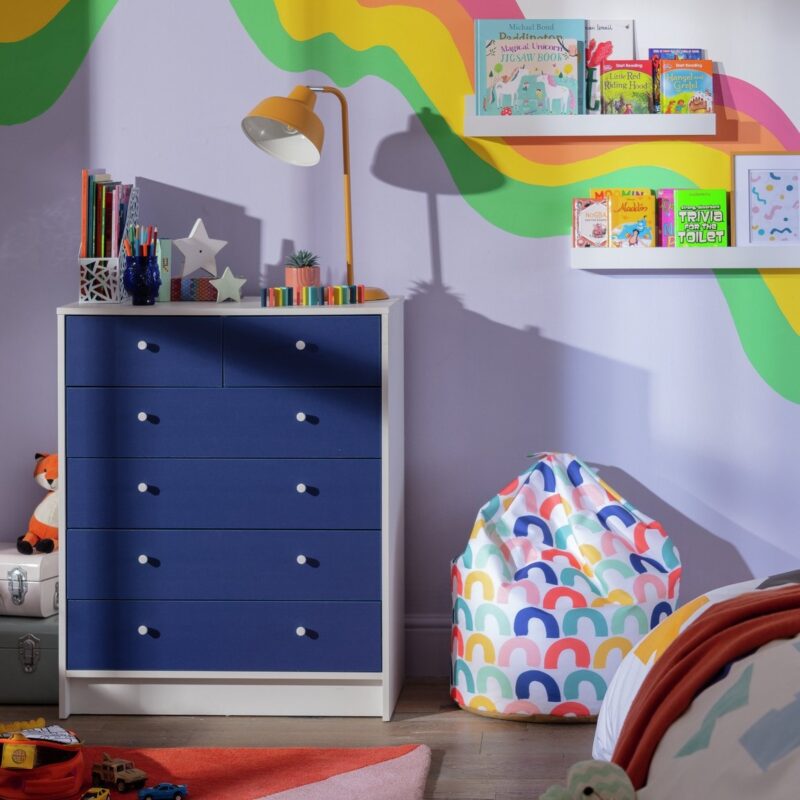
529	66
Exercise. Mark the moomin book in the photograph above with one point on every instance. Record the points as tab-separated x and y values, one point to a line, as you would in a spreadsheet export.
528	66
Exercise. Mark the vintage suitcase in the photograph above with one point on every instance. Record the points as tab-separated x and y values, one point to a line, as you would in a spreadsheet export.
29	660
28	584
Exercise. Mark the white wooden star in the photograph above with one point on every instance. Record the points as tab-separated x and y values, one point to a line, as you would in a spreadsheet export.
199	251
228	286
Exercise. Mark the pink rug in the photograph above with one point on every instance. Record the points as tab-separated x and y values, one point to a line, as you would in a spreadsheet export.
371	773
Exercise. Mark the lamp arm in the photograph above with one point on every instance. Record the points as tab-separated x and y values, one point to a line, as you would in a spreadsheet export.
348	218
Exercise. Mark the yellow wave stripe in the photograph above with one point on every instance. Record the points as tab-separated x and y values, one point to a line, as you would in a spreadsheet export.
785	288
23	18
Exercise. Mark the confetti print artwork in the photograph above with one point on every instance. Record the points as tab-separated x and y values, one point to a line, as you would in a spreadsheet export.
774	210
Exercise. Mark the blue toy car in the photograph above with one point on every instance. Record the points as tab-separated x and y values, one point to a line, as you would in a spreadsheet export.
164	791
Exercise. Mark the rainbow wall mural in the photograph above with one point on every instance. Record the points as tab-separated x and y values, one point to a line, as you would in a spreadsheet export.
424	49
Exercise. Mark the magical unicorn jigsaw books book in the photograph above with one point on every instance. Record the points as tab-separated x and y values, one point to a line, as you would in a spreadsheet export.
529	66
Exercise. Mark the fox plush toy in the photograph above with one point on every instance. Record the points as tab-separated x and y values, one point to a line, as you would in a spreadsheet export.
42	534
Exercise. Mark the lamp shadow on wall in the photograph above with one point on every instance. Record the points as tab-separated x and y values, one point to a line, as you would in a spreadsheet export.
175	210
482	395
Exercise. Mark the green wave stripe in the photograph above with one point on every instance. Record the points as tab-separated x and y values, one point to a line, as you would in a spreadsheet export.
767	337
36	70
517	207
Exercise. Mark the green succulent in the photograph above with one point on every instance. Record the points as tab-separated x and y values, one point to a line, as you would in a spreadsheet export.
302	258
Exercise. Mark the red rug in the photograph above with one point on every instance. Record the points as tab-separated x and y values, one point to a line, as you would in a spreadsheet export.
291	773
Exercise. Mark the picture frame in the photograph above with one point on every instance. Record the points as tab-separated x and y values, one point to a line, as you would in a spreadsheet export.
765	198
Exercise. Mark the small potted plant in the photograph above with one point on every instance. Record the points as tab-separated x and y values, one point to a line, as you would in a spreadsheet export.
302	269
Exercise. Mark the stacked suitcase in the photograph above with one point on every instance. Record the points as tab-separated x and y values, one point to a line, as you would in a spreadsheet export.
28	627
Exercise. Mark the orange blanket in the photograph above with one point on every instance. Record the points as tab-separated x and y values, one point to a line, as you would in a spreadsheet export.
726	632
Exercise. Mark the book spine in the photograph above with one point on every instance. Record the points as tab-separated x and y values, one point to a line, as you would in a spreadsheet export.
84	210
98	220
115	222
90	219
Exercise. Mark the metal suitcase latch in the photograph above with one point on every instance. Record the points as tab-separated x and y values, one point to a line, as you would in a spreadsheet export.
29	652
17	585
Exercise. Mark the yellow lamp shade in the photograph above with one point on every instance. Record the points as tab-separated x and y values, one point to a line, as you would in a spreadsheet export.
287	127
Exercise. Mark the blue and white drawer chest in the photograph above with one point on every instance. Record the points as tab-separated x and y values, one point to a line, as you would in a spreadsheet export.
232	499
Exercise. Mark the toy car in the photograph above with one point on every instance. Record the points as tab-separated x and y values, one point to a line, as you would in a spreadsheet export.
164	791
96	793
117	772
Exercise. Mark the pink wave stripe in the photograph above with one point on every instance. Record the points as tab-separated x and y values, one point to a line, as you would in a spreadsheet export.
743	96
492	9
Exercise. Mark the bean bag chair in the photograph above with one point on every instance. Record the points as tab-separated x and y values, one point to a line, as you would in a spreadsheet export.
560	578
636	666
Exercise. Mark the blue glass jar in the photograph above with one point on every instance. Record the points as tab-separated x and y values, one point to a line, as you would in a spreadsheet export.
142	279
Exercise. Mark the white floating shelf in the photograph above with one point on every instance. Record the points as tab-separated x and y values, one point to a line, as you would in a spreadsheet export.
569	125
685	258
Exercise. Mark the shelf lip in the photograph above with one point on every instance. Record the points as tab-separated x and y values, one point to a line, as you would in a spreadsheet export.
625	125
644	259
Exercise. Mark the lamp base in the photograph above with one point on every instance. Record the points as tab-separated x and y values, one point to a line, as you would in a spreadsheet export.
373	293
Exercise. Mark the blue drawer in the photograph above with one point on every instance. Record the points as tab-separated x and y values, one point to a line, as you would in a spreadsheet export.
138	350
223	493
224	423
223	636
224	565
336	351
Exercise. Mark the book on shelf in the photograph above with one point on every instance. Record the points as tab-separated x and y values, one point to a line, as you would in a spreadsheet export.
529	66
626	87
687	87
589	222
701	218
605	39
625	191
665	217
631	220
658	54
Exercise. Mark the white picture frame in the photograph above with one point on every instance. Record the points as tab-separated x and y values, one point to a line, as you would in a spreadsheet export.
768	216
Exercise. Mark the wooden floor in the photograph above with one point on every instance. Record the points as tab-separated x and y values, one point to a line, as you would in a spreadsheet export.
474	758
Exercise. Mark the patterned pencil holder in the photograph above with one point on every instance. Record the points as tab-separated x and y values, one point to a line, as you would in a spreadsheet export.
101	280
142	279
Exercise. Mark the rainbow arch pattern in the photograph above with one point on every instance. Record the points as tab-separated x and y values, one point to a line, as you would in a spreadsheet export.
560	579
424	49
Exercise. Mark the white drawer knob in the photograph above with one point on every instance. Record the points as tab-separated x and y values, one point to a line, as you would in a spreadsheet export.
300	416
300	344
143	559
142	416
301	488
141	344
143	630
301	559
143	487
300	631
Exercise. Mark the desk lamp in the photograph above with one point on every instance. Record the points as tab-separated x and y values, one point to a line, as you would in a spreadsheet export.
288	128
